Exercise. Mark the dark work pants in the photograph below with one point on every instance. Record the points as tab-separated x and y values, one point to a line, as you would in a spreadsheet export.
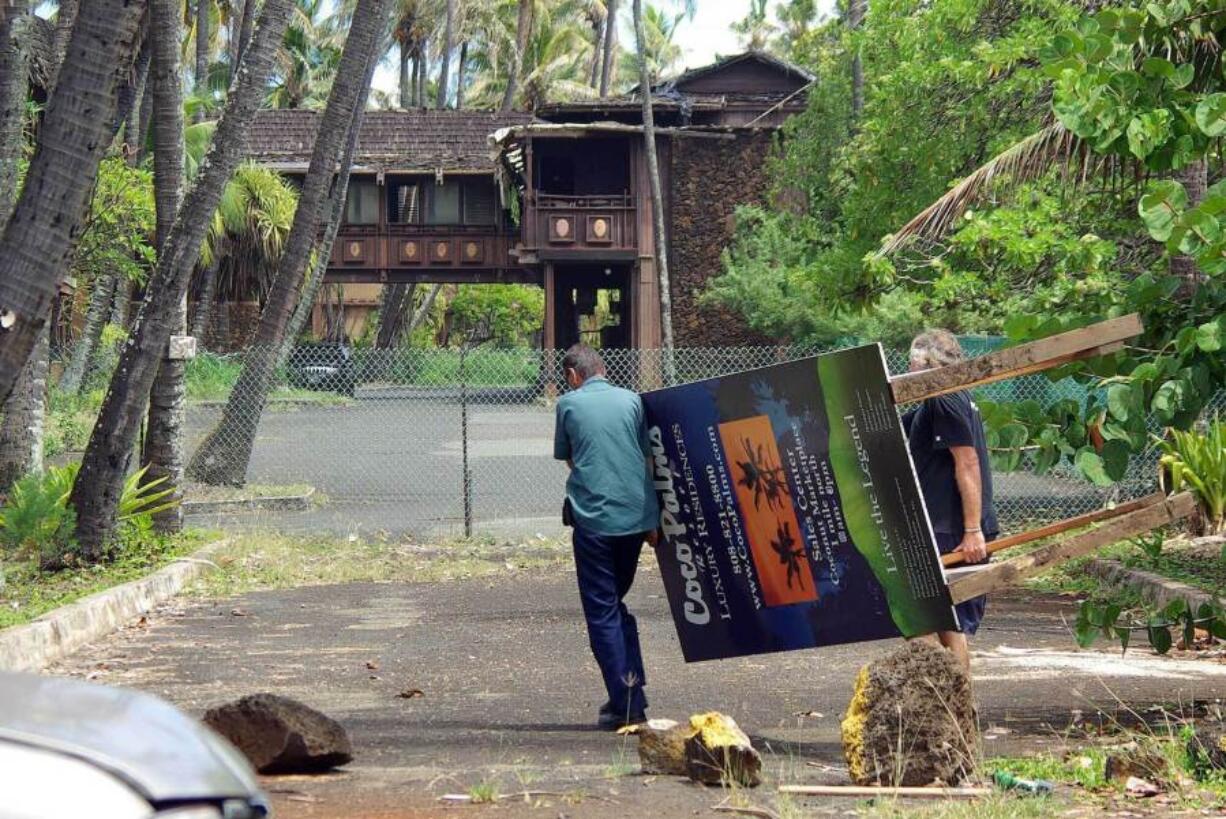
605	565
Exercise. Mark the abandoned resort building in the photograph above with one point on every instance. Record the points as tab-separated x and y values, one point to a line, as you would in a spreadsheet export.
559	199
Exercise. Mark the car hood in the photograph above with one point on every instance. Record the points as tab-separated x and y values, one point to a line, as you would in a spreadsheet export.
155	748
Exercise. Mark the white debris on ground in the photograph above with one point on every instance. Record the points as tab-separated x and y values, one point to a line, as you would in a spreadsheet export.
1007	663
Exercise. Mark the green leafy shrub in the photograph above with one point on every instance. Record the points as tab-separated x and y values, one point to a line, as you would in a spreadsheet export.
211	377
36	519
70	420
1196	461
1111	620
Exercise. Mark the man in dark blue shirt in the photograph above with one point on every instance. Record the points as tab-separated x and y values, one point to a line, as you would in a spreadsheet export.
601	433
949	449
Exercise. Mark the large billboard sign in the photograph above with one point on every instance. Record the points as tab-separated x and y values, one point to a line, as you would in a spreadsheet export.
790	513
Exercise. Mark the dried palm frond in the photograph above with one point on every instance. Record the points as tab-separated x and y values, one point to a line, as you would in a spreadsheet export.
1022	162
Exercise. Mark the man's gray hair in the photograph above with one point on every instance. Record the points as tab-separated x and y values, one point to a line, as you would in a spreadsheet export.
935	348
585	361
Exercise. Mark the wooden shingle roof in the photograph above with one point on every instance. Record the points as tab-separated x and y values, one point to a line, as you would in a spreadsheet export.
417	140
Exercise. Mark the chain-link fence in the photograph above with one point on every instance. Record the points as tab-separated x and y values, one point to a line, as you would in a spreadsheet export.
439	442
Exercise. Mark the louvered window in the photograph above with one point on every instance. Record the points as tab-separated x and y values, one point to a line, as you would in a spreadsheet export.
408	204
479	202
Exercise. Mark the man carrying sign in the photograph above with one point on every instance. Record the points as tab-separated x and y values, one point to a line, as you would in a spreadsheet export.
611	503
949	449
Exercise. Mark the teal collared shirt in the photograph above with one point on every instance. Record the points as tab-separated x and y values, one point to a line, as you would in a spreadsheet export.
601	430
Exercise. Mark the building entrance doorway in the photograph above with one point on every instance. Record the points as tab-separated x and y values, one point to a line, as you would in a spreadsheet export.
591	305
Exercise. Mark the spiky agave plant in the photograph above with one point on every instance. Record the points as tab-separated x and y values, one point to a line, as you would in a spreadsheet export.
1197	461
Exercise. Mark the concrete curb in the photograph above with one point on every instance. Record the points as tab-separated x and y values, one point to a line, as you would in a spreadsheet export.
272	503
60	632
1153	587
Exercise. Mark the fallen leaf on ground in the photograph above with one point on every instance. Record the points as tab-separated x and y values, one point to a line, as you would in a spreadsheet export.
411	694
238	613
816	714
372	665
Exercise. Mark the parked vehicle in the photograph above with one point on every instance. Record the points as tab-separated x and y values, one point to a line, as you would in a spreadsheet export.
71	749
325	366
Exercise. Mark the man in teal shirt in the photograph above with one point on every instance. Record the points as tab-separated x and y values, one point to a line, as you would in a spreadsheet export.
602	435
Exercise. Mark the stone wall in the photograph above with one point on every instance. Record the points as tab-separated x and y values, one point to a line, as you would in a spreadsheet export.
708	179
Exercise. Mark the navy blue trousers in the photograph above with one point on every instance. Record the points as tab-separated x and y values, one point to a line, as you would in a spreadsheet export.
970	612
605	565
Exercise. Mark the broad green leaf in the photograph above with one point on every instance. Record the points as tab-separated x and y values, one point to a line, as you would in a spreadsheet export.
1115	457
1200	231
1124	634
1158	67
1148	131
1209	336
1211	115
1160	638
1013	435
1183	75
1121	398
1091	465
1160	208
1048	457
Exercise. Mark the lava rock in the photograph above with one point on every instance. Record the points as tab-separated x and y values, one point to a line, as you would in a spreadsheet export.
1207	746
1131	762
911	720
281	735
718	752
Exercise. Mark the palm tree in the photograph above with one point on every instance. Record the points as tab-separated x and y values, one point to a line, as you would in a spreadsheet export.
444	71
660	50
755	28
610	48
555	64
523	30
39	239
104	466
307	59
163	455
856	9
657	197
225	453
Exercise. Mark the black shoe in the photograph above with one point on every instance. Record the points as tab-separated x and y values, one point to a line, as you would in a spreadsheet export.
611	722
607	708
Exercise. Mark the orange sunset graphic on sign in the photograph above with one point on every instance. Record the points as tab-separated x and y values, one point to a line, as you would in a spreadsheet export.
766	511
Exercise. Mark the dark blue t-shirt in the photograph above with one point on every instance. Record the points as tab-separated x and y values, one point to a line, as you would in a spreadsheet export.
936	425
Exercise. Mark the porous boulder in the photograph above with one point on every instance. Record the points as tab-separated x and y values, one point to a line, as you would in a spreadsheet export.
911	720
280	735
711	748
1207	745
718	752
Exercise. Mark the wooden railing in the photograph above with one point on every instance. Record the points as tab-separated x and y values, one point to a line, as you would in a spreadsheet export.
403	246
592	223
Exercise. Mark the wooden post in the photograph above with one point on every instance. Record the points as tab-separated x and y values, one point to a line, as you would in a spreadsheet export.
549	335
1010	572
1075	345
955	558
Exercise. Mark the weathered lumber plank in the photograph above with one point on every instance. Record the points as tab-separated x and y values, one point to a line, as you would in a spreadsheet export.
955	558
1010	572
1045	353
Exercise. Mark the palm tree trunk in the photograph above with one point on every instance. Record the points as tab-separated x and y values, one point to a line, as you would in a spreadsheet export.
204	303
223	456
91	334
131	99
459	75
523	29
163	453
1195	180
245	26
65	19
203	34
13	61
610	48
593	76
657	197
407	85
423	73
336	212
21	433
444	71
100	481
397	298
39	240
855	19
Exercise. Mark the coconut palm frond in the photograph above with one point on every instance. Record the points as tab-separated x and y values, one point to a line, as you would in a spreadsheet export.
1022	162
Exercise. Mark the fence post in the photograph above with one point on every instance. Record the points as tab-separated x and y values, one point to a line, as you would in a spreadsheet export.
467	476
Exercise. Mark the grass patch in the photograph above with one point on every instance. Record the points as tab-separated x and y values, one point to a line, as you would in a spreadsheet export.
28	593
266	561
1207	573
70	420
204	492
1085	769
211	377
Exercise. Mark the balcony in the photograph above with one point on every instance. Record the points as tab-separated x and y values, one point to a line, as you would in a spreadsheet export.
424	253
589	227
